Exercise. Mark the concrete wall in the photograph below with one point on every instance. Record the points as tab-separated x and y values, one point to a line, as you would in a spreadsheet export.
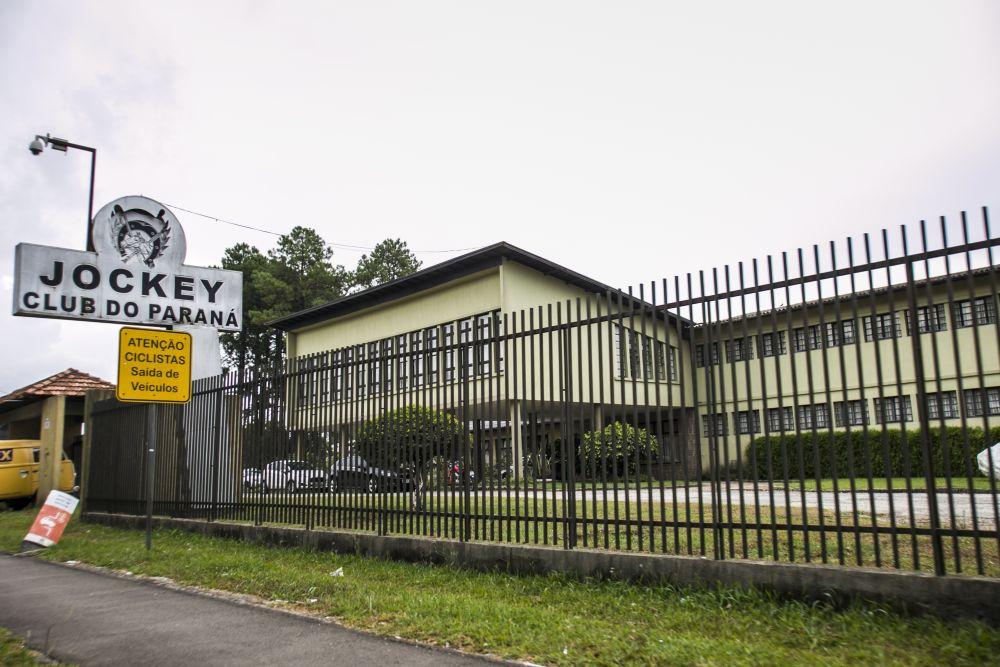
950	597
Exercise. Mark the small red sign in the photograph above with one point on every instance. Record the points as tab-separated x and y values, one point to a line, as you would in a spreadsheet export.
52	519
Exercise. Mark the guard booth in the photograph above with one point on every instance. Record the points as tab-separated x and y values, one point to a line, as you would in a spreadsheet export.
51	411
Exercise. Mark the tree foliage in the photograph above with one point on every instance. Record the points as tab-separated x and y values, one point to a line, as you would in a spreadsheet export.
416	438
389	260
298	273
411	436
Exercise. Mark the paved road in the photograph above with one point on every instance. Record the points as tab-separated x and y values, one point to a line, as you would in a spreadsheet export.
96	619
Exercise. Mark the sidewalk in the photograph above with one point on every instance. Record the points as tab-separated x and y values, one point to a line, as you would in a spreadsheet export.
96	619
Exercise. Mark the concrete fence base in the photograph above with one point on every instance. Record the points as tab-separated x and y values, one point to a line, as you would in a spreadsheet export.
910	592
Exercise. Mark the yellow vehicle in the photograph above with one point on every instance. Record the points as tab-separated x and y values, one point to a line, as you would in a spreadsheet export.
19	472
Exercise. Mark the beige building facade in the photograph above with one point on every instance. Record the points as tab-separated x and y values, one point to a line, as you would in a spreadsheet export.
534	355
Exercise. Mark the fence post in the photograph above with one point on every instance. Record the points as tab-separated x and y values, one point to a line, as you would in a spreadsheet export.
217	444
150	469
569	439
921	383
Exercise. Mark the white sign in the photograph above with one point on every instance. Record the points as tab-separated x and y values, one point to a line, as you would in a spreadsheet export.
136	276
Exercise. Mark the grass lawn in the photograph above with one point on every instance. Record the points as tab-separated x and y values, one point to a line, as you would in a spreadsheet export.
13	652
546	619
898	484
653	527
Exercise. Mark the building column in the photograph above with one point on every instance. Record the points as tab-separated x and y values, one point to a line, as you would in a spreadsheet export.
51	446
598	417
516	438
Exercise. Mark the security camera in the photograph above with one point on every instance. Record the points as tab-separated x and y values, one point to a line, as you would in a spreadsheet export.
36	146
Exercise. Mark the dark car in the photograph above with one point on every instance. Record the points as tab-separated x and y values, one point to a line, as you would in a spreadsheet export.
353	472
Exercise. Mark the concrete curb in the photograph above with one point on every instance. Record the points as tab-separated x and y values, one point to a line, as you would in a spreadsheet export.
910	592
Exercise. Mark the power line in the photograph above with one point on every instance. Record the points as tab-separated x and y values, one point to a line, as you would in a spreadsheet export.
273	233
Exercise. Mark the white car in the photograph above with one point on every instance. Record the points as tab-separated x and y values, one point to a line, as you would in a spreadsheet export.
292	476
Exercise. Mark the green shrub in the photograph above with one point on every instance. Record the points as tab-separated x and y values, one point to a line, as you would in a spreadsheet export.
894	453
615	448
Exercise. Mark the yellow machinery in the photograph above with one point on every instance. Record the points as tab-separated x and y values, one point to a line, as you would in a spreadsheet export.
19	472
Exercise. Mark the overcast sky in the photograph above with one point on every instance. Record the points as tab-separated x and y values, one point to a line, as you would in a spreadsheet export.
629	141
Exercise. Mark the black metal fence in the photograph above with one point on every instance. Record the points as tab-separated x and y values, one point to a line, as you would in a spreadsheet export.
834	405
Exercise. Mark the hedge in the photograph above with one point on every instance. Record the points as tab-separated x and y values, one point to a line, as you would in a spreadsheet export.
617	448
888	453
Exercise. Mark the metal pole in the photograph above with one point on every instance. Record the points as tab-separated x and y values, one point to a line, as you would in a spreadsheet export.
150	466
90	202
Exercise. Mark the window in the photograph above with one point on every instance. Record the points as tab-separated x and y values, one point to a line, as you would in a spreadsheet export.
882	327
402	361
747	422
839	333
981	310
341	370
415	359
979	402
699	355
929	319
484	344
661	371
851	413
942	406
828	334
714	424
780	419
807	338
893	409
633	354
360	370
449	355
814	416
644	355
739	349
431	354
772	344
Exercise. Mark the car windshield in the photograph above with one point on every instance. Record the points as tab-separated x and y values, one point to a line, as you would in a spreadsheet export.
298	465
355	461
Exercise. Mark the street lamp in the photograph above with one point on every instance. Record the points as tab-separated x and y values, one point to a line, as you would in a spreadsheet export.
38	145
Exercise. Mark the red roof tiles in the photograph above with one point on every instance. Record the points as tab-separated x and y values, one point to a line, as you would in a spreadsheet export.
69	382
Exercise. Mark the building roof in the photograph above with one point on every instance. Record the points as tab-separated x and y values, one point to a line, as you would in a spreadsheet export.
69	382
435	275
959	280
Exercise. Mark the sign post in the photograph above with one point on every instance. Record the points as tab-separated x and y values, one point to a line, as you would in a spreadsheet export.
153	367
134	273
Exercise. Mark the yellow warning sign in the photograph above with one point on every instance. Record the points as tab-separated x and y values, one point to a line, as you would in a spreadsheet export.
153	366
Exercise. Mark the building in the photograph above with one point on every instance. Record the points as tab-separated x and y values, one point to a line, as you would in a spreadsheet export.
509	338
50	411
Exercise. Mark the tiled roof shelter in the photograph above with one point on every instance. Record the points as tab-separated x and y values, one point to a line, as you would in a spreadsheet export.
69	382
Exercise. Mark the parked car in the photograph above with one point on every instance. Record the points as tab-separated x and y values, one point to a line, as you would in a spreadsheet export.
19	473
292	476
253	478
353	472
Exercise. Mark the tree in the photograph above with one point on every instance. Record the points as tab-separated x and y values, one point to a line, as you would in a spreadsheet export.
413	437
389	260
298	273
254	345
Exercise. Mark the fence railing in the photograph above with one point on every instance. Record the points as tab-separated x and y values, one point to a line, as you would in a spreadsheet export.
832	406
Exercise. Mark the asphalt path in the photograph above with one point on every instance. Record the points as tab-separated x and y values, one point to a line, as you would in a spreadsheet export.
90	618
